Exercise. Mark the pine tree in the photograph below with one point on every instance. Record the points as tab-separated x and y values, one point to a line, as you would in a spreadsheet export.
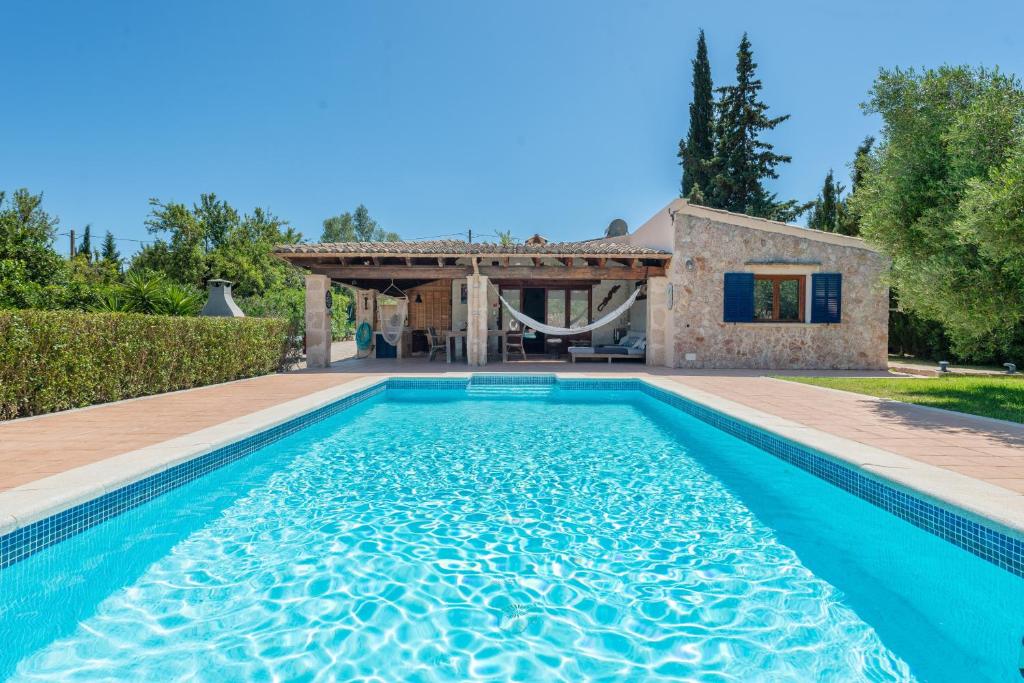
109	253
825	210
85	246
742	160
698	148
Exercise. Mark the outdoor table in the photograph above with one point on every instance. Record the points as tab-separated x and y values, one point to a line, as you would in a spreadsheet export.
451	335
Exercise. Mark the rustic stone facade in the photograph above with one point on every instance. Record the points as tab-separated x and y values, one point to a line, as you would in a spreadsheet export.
709	244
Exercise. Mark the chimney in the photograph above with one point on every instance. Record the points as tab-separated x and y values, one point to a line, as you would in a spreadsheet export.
220	302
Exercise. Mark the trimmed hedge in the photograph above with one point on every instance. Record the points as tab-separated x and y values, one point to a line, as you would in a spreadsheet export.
55	360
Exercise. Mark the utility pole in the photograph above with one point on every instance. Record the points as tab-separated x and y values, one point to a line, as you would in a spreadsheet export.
471	235
72	243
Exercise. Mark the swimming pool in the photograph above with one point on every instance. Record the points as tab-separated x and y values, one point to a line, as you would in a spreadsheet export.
439	530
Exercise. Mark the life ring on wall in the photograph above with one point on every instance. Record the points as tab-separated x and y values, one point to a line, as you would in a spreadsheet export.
364	335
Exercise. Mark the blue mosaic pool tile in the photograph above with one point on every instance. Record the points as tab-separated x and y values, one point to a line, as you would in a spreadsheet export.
616	384
30	539
505	379
443	383
1004	551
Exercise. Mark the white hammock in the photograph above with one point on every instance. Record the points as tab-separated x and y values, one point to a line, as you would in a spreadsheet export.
548	329
391	319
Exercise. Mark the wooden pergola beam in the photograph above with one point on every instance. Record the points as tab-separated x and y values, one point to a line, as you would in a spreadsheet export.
571	273
396	272
405	272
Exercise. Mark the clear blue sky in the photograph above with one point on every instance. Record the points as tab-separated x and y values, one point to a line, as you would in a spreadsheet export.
550	117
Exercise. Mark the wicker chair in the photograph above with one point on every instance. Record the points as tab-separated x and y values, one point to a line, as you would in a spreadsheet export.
435	342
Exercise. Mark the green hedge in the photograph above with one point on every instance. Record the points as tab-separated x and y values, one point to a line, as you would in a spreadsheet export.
54	360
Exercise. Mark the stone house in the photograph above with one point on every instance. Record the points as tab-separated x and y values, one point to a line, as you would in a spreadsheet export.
716	290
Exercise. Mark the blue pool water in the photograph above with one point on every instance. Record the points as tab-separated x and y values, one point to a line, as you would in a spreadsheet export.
526	534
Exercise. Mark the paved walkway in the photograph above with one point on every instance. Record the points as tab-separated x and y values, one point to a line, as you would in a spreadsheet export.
979	447
985	449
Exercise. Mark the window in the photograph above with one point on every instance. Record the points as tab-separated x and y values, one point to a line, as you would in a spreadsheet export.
579	307
779	298
556	308
749	298
514	298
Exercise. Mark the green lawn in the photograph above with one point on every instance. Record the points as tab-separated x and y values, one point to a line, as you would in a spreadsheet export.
1001	397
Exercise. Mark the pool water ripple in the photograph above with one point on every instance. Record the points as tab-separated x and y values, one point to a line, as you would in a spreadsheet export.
437	540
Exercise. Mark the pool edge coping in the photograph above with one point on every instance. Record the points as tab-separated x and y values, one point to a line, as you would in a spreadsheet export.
28	503
978	500
985	503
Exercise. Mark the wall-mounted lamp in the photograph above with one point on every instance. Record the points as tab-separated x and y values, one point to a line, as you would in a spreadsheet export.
690	265
418	299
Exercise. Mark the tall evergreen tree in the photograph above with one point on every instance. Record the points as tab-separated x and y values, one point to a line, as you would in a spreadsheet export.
109	253
825	210
742	159
85	246
698	148
848	219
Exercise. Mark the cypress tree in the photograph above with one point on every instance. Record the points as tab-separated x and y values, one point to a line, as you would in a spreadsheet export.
698	148
85	247
742	160
825	211
847	220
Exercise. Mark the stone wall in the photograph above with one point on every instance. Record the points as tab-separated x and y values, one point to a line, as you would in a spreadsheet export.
705	249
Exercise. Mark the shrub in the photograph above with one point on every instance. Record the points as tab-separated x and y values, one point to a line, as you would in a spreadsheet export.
55	360
291	304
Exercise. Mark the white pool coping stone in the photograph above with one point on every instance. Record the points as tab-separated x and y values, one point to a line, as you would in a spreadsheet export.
986	503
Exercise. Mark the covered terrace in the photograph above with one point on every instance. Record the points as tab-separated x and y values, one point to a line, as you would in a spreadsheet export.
452	288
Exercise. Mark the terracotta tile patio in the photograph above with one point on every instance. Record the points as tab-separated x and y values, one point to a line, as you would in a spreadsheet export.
986	449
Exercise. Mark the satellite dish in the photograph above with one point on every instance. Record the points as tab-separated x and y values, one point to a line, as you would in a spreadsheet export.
617	228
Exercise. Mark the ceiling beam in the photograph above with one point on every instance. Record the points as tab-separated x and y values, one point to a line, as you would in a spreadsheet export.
571	273
395	272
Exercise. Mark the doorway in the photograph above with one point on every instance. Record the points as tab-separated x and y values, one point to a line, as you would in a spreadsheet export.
534	307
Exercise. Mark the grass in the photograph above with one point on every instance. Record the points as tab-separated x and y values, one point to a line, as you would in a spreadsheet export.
999	397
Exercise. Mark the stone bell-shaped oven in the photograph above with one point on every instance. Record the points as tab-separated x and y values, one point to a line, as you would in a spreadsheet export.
220	302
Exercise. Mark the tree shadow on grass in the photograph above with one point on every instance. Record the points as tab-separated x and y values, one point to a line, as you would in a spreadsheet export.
947	412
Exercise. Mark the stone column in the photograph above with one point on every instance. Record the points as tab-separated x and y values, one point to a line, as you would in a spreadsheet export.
660	322
318	322
366	304
476	320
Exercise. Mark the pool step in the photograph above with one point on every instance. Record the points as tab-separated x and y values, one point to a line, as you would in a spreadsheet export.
509	390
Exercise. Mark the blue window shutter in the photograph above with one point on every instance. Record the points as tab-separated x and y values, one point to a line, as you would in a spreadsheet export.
826	297
739	298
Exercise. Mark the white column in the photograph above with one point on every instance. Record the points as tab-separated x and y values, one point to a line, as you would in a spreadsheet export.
661	343
476	327
318	322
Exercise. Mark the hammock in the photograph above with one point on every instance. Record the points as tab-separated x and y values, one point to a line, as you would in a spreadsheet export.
563	331
391	319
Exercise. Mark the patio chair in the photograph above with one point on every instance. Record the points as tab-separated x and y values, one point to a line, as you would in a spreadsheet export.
514	342
435	342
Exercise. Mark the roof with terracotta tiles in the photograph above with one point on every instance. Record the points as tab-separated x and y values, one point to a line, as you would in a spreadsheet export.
461	248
